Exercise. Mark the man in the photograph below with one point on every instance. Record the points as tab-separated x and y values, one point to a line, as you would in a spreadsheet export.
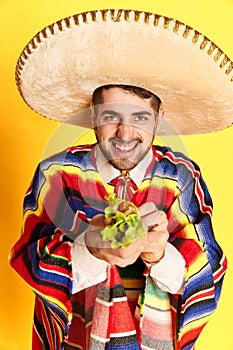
159	292
179	250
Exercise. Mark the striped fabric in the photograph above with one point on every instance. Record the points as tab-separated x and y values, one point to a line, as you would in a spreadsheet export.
65	194
116	320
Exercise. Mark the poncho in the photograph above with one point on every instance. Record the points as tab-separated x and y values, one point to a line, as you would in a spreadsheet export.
65	194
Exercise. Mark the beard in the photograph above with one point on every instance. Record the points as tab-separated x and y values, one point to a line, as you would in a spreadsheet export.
123	162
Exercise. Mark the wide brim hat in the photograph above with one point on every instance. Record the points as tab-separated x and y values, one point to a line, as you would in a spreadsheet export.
61	66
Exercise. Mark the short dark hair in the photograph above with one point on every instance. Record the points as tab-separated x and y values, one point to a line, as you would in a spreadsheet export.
97	97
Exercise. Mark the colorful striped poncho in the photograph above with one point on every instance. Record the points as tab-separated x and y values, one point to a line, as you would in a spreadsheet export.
65	194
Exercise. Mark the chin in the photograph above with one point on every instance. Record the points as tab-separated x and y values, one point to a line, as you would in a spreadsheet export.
122	164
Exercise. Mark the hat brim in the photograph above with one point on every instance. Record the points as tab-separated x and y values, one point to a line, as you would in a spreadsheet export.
60	67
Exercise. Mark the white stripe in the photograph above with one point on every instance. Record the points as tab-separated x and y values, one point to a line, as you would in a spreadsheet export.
103	302
204	297
101	340
144	347
118	300
55	273
201	292
220	275
160	315
114	300
75	219
122	334
220	270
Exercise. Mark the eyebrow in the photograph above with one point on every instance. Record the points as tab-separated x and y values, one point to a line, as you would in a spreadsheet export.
108	111
142	112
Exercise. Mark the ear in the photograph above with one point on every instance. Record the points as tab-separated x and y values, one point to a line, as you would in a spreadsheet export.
159	117
92	118
161	111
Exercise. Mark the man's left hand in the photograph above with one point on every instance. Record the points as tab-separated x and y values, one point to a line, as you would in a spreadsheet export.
155	242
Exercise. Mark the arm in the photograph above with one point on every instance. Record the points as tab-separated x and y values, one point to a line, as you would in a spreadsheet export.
191	232
42	255
87	269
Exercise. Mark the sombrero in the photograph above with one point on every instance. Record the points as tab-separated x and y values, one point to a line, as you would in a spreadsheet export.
60	67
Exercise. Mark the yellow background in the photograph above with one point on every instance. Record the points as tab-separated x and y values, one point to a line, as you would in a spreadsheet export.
24	136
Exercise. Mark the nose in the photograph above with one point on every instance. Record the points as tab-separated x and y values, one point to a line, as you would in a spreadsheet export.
125	131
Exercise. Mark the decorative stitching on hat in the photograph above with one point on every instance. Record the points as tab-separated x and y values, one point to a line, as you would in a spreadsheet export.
167	21
137	15
147	17
76	20
211	48
195	37
104	14
116	15
187	31
230	68
156	20
204	43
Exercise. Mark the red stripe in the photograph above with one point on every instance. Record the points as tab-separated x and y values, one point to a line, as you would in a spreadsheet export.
191	335
219	273
197	297
196	175
74	149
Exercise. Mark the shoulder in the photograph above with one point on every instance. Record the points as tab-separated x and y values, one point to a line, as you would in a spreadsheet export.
166	155
175	164
73	156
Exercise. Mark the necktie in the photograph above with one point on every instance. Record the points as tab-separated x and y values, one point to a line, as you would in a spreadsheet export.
124	186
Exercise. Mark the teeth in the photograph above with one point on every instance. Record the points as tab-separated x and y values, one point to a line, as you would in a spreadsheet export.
125	148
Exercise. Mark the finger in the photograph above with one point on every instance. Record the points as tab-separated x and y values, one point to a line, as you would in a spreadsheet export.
147	208
129	211
160	219
148	214
108	221
97	221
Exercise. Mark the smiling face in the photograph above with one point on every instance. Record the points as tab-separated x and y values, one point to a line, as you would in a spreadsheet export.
125	127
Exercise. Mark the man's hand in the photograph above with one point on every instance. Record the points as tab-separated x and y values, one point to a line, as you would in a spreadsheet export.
102	250
150	248
157	235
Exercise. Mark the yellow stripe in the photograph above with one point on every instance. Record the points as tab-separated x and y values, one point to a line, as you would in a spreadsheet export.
132	283
54	301
161	183
141	308
196	266
162	304
87	174
193	325
180	216
109	188
52	171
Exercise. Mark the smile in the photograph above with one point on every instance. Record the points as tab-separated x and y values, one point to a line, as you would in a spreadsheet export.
125	147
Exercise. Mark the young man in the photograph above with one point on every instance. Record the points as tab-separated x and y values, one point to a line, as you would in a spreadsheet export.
159	292
168	276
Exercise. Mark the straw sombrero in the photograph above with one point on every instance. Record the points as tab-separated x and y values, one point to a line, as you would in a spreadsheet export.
60	67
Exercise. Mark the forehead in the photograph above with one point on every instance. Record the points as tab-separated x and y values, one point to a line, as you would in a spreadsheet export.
117	97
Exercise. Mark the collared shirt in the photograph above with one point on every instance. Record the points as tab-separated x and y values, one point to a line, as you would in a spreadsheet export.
89	270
